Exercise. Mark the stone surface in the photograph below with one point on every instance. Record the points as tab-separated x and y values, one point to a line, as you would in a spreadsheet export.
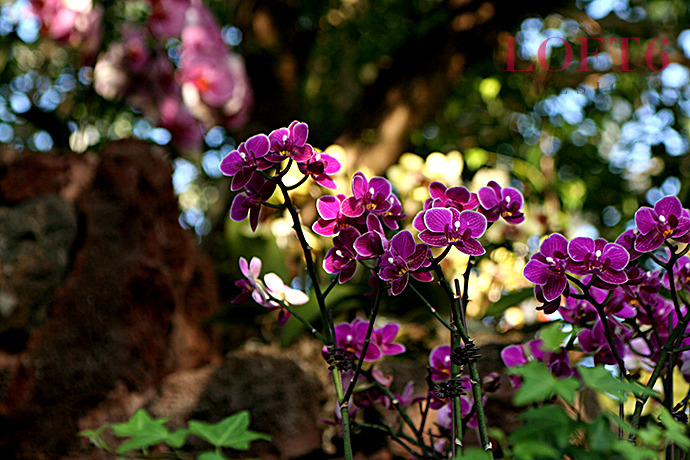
283	401
36	239
125	310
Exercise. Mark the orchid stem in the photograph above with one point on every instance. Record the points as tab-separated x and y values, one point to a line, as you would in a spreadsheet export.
432	309
365	347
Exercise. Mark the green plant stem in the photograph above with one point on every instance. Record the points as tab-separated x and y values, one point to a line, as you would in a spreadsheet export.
309	260
329	339
475	380
396	436
401	410
670	344
334	281
474	373
432	309
301	319
272	205
343	405
604	321
298	183
365	347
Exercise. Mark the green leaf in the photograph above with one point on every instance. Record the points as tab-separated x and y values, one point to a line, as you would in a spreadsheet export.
532	449
630	451
553	336
212	455
651	434
230	432
143	431
474	453
674	431
141	421
538	384
177	438
600	436
95	437
509	300
549	425
600	379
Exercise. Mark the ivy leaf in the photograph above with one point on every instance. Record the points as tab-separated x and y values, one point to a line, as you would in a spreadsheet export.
95	437
674	431
651	434
600	379
600	436
230	432
474	453
547	425
177	438
140	421
212	455
143	430
532	449
538	384
630	451
553	336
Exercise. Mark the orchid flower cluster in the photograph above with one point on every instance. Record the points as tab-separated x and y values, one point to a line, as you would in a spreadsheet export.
619	310
366	230
199	83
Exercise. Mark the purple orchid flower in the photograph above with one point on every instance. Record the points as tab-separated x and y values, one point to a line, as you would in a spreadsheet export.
627	240
444	226
402	259
395	213
406	398
383	338
439	363
332	220
320	166
248	202
598	257
454	197
594	341
241	163
578	311
277	289
681	275
341	259
372	196
290	142
251	286
444	416
548	306
547	267
350	337
665	221
373	243
517	355
501	202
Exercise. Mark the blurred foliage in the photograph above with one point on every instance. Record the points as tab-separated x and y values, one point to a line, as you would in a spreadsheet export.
586	148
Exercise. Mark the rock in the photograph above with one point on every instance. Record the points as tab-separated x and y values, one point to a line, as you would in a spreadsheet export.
36	239
124	311
284	402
